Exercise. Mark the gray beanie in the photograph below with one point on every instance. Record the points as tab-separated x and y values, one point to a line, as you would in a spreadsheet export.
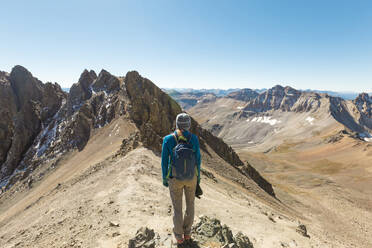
183	121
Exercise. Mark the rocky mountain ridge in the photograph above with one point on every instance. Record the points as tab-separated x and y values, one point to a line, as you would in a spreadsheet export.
67	120
290	99
354	115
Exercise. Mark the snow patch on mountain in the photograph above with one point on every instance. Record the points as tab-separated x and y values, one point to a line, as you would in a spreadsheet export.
310	120
265	119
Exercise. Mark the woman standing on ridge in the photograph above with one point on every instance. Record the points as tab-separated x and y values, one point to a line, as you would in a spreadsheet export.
180	156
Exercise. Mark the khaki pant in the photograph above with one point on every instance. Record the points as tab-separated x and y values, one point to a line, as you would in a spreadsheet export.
182	224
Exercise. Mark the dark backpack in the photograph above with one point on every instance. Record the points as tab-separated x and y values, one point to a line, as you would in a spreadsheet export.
184	158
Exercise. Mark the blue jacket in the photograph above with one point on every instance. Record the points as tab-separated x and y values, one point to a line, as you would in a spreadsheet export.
169	142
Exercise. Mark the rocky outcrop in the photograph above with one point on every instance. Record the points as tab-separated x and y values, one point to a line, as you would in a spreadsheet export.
307	102
92	103
149	104
243	95
145	238
208	232
301	229
363	104
27	105
106	82
153	111
25	86
8	109
80	91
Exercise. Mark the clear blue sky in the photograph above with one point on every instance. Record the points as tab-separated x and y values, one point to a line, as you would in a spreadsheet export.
199	44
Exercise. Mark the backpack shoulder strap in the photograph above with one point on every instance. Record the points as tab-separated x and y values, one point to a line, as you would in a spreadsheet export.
189	139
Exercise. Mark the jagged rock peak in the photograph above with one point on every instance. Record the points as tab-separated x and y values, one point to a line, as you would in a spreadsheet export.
21	78
363	97
24	85
87	78
81	91
3	75
93	74
280	89
150	104
20	70
277	97
364	104
277	87
106	82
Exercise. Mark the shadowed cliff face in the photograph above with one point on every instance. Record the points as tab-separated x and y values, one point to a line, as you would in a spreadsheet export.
8	109
149	104
81	91
26	105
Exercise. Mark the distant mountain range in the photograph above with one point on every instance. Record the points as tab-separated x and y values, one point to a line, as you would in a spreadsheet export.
347	95
217	92
188	97
222	92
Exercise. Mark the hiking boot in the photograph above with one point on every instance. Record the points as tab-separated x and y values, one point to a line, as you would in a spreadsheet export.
187	237
180	241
